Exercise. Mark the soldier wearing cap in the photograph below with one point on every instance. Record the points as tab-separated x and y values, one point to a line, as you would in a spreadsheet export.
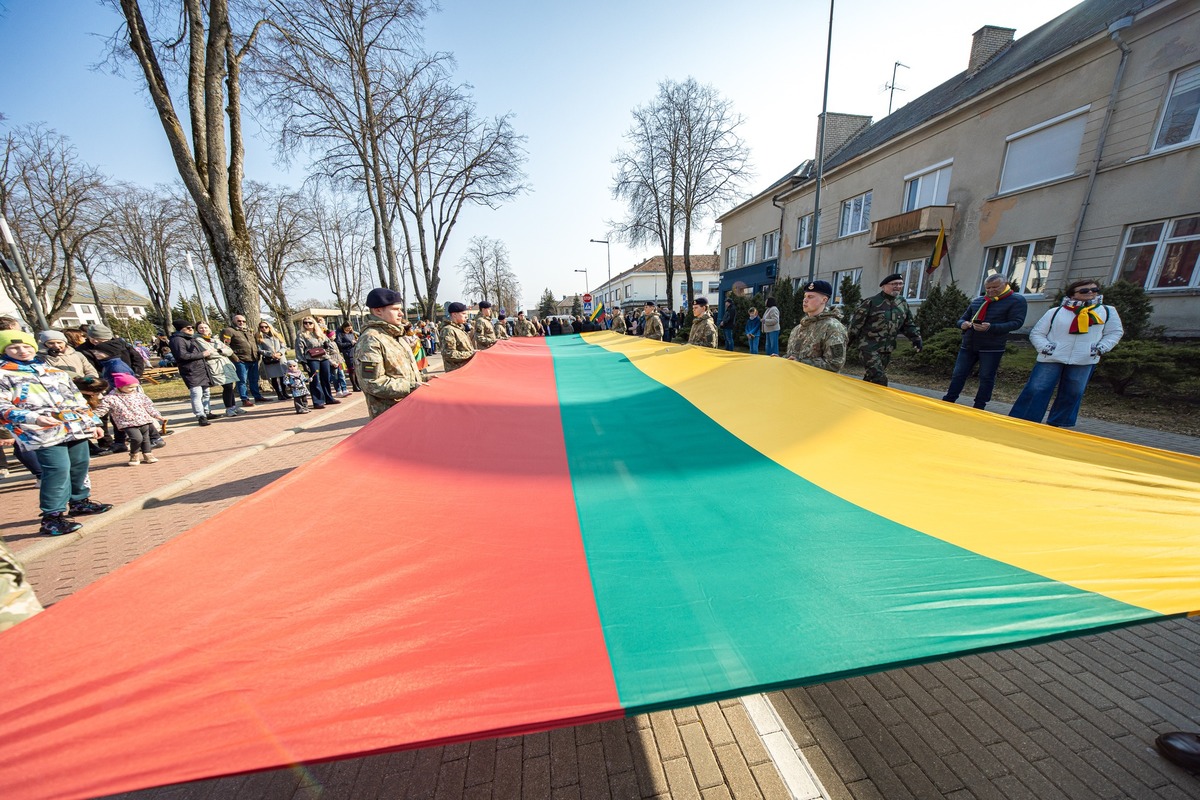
877	322
523	326
383	361
820	338
704	330
484	332
501	327
457	349
652	327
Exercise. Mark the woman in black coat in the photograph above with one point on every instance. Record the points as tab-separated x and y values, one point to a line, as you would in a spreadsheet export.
190	352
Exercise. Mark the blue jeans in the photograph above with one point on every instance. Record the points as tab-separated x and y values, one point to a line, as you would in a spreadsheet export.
247	382
772	343
321	388
201	400
1069	379
64	475
989	363
728	338
752	338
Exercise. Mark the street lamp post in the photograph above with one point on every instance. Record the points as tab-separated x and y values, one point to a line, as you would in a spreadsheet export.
196	283
608	251
19	262
586	283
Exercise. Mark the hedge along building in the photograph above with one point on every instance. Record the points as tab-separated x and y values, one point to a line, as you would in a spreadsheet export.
1071	152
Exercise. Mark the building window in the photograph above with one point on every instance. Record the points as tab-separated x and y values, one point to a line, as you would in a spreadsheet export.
1162	255
804	231
771	244
1043	153
748	248
855	276
628	291
713	287
927	188
916	282
856	215
731	257
1026	264
683	288
85	309
1181	118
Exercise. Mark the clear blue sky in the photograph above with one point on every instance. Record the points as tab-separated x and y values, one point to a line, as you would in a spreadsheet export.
570	73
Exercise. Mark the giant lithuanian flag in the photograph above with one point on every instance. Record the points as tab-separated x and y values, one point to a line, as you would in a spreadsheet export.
581	528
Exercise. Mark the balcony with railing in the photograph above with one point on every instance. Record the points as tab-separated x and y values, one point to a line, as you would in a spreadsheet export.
911	226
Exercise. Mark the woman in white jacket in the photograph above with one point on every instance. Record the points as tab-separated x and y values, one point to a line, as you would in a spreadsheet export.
1070	339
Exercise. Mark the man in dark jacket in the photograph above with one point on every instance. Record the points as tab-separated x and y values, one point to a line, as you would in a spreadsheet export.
245	360
728	321
986	324
102	346
189	352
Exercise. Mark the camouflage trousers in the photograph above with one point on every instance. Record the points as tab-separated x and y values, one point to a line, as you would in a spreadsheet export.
17	600
876	361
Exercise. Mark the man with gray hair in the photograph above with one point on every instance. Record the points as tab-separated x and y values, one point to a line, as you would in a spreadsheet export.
986	324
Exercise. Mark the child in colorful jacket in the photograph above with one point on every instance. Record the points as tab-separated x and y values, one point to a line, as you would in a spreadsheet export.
133	413
41	407
295	383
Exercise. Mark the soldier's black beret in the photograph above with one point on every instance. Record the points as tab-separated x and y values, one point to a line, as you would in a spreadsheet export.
379	298
895	276
820	287
484	304
701	301
455	308
650	303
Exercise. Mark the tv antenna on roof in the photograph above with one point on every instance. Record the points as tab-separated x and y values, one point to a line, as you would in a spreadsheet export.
891	87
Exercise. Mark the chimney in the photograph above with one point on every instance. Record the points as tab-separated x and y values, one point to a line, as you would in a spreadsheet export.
839	129
986	43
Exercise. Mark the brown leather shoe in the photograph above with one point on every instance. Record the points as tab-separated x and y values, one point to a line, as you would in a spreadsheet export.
1180	748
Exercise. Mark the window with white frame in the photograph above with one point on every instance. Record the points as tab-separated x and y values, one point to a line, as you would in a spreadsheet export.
683	288
84	309
804	231
856	215
748	251
713	287
928	187
731	257
1162	255
916	282
1180	122
771	244
1026	264
1045	152
839	277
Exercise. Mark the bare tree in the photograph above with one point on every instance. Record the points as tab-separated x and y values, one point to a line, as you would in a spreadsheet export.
341	249
281	224
447	156
685	159
475	268
333	71
203	42
713	160
145	233
50	197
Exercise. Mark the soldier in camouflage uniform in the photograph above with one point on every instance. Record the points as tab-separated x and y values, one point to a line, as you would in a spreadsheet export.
704	330
652	327
877	322
383	359
501	328
618	322
17	600
457	349
484	332
523	327
820	338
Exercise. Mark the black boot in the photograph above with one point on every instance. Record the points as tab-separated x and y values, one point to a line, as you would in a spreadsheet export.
58	524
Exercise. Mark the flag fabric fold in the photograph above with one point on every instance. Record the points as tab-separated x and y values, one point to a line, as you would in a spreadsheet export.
667	529
941	246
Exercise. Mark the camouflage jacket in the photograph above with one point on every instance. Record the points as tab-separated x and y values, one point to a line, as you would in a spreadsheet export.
522	327
387	371
880	319
501	329
485	334
704	332
819	341
652	326
17	600
457	349
618	324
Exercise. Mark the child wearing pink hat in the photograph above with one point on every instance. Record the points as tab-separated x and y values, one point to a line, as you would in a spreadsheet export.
134	413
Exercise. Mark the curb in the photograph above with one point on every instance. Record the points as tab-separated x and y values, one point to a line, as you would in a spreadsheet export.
45	547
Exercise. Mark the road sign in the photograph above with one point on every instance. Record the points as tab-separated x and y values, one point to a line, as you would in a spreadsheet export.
587	299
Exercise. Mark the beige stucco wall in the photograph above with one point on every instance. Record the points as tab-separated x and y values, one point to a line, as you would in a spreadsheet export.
1131	186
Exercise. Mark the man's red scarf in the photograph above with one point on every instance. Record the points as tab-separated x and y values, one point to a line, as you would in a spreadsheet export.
987	301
